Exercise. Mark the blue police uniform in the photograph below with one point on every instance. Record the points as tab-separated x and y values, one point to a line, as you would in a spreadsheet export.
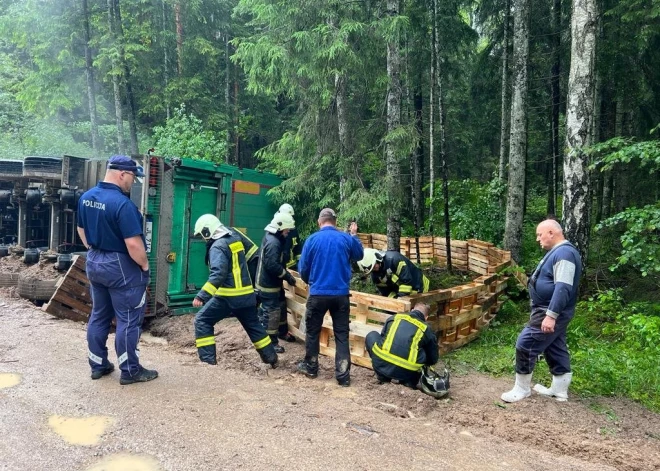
117	284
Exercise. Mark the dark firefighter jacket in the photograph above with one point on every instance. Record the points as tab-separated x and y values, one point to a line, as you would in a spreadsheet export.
251	252
228	273
406	344
398	276
292	248
270	270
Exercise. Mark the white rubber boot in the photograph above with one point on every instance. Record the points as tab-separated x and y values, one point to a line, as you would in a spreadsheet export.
558	389
521	390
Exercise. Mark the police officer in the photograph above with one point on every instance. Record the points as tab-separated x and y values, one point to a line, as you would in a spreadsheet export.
291	251
228	292
405	345
393	274
110	226
271	273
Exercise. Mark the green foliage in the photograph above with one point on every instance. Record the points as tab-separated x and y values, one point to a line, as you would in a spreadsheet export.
184	136
614	348
474	209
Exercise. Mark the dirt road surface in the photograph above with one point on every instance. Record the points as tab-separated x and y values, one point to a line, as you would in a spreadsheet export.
242	415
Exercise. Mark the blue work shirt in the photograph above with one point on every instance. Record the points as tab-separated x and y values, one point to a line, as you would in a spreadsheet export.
108	217
325	262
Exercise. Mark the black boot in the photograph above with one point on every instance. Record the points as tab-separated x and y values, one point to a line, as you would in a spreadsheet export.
105	370
143	376
308	369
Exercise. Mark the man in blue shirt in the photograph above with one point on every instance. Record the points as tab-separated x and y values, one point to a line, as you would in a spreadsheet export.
553	290
110	226
325	265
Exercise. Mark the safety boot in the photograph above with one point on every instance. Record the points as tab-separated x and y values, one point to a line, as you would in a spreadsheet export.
308	369
558	389
288	337
143	376
520	390
105	370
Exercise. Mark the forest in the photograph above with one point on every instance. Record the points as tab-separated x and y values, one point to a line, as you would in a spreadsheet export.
457	118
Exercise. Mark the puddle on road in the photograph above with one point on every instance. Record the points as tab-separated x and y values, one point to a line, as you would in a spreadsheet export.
7	380
80	430
126	463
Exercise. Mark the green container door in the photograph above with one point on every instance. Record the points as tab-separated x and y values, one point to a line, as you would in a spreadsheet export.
202	201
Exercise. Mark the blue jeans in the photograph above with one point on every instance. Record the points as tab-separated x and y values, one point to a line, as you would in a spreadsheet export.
532	342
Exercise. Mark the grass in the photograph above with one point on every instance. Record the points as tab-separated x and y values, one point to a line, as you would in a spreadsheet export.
608	356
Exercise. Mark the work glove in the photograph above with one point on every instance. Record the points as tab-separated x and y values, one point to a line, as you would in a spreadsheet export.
290	279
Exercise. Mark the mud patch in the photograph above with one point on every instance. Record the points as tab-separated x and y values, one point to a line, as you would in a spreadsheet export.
9	380
85	431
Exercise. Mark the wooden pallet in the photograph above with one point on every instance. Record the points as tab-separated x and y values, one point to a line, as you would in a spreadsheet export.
72	299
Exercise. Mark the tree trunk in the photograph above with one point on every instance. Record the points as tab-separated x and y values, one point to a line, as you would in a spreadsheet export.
394	94
89	75
228	105
343	131
417	162
179	37
130	97
443	155
554	84
116	86
166	60
518	141
579	113
434	39
506	111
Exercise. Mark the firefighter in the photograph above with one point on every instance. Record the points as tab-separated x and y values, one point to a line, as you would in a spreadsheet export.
292	250
228	292
110	227
271	273
405	345
393	274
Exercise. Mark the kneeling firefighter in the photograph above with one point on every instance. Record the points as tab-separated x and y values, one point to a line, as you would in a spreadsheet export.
228	292
405	351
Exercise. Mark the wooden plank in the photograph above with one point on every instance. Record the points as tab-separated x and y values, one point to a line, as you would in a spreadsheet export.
434	296
67	299
479	243
478	258
75	289
464	315
459	342
76	274
380	302
63	312
467	290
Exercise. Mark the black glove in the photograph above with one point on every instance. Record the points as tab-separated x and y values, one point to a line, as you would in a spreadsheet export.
290	279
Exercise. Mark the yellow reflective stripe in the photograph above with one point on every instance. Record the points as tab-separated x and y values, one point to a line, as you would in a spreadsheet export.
236	248
392	295
405	288
425	284
205	341
387	344
396	360
264	342
420	325
291	263
271	332
400	267
209	288
414	346
242	291
251	252
395	278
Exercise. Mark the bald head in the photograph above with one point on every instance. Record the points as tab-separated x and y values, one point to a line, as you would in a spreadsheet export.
549	233
423	308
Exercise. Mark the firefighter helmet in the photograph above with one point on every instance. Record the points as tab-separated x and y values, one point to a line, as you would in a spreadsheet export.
371	257
286	208
433	384
206	225
280	222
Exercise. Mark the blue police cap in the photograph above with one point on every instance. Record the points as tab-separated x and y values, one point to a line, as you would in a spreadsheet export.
126	164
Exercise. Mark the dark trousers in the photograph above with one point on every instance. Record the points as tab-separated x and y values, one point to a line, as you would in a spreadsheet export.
385	371
270	314
283	328
339	307
217	309
532	342
118	288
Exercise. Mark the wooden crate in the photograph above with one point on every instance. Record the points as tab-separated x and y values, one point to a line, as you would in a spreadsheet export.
457	314
72	299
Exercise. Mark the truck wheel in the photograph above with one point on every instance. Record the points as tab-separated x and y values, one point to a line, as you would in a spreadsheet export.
34	289
7	280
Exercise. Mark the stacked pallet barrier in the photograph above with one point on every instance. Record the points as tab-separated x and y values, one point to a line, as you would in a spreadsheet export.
457	314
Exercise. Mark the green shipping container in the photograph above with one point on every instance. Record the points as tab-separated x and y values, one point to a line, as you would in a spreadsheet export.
175	193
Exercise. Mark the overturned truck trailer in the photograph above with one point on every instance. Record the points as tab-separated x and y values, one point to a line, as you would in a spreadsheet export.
174	194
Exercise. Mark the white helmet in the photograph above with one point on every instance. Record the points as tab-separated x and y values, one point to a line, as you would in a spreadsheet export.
280	222
207	225
286	208
371	257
